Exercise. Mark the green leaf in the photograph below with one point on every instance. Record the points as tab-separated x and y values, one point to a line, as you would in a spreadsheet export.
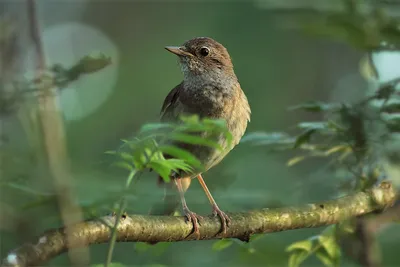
336	149
161	168
315	106
324	258
194	128
130	178
216	123
229	137
332	125
305	245
93	62
190	119
328	242
178	164
123	164
206	125
144	152
219	126
194	140
222	244
130	143
152	127
261	138
165	166
393	123
391	107
153	153
126	156
181	154
317	125
304	137
297	258
139	159
386	90
295	160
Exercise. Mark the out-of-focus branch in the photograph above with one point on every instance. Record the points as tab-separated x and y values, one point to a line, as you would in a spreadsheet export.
140	228
369	254
54	140
367	228
378	222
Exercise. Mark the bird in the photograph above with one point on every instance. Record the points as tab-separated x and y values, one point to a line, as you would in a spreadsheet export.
210	89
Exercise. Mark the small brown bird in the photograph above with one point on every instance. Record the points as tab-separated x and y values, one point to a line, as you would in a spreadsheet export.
209	89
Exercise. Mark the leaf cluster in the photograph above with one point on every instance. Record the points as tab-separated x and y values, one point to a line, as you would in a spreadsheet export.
155	146
324	247
56	76
345	133
361	24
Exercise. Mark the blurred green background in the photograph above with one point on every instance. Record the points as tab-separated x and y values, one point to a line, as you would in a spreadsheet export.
277	66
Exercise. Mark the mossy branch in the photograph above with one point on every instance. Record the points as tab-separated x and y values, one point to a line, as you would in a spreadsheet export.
144	228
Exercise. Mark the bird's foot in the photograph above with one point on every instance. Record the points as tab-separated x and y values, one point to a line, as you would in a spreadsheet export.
225	220
194	219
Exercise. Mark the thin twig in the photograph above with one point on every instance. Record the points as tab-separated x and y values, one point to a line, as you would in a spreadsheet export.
121	209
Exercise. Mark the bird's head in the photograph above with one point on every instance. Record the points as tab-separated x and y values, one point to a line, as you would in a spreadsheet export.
202	56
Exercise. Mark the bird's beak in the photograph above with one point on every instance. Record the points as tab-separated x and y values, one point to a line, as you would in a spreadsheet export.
178	51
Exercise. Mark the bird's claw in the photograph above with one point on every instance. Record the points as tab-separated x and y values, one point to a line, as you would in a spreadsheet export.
193	218
225	220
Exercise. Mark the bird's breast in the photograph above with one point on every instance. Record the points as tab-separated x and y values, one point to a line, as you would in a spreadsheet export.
214	103
207	101
229	104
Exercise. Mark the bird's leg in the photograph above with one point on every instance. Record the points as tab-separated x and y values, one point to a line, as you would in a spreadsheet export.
225	220
191	216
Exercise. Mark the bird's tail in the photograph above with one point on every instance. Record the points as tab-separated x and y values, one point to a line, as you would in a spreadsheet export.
170	202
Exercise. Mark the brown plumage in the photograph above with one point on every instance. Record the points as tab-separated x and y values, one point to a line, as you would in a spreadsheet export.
209	89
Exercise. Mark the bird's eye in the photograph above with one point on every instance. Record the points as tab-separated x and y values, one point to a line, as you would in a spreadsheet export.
204	51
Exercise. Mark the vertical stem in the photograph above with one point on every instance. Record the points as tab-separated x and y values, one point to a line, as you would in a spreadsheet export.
369	254
54	141
121	209
35	36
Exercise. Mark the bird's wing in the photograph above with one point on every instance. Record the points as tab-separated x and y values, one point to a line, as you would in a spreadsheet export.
172	107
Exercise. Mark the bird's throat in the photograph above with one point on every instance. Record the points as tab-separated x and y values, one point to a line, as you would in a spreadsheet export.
218	81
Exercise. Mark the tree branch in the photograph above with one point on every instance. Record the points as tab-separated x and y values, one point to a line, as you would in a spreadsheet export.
145	228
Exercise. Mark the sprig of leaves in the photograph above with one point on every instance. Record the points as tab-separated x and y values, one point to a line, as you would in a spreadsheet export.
57	76
344	134
155	140
323	246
